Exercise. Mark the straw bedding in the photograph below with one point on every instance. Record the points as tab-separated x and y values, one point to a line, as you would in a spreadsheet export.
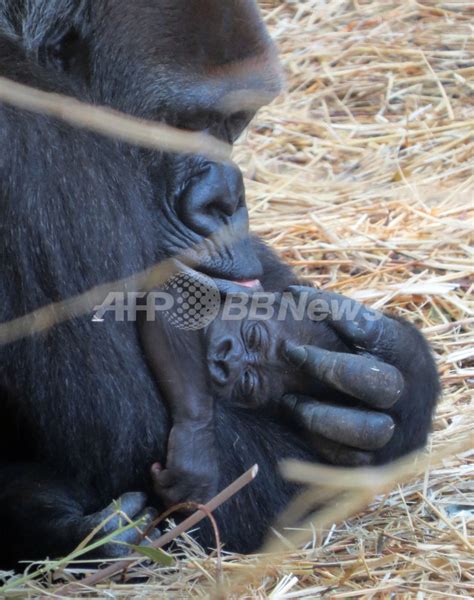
362	176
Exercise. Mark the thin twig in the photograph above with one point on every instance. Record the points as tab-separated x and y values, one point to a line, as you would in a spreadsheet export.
168	537
112	123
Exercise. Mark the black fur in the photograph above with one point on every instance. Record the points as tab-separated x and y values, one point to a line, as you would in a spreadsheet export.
80	418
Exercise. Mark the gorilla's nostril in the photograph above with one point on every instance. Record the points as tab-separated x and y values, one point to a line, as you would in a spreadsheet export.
218	207
225	360
212	199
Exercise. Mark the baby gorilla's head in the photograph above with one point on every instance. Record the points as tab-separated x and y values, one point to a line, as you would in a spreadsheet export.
246	357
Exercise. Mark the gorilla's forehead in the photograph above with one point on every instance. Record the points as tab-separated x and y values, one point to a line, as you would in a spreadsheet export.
198	52
191	31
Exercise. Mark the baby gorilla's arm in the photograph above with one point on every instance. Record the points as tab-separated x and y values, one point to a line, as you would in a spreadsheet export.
177	359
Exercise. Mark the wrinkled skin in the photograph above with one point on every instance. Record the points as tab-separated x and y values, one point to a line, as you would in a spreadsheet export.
81	417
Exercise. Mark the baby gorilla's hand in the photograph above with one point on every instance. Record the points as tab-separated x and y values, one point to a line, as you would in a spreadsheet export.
191	473
388	386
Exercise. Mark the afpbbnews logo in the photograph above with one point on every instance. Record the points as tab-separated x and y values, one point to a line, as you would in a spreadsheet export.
192	302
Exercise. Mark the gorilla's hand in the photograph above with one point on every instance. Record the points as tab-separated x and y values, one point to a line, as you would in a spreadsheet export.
388	386
133	506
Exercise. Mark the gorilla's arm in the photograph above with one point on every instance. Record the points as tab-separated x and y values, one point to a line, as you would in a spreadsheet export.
43	515
177	360
45	508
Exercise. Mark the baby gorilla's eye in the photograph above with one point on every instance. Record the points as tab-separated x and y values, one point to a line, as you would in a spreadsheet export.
247	384
254	338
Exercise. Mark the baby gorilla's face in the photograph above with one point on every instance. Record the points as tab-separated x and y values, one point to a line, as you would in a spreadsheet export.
246	358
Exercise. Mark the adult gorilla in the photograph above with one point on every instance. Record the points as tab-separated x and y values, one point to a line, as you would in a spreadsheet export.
81	421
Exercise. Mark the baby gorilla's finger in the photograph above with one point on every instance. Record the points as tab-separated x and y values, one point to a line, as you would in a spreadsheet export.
161	478
365	328
367	379
168	488
361	429
175	486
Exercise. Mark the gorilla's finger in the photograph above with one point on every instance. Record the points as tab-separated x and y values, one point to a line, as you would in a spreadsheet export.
361	429
131	504
365	328
152	536
340	455
375	383
148	515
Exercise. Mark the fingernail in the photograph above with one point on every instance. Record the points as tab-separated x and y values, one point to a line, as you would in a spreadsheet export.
156	468
296	355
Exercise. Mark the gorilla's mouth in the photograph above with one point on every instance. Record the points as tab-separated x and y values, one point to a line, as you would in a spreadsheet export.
225	284
229	286
250	283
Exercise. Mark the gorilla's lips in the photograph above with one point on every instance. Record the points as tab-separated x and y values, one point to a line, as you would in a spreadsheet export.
248	283
225	283
238	286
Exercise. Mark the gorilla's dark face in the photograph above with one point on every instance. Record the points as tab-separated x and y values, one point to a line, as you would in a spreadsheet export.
201	64
246	358
204	65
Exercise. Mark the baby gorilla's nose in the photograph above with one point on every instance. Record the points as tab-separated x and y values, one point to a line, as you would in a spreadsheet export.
226	361
212	198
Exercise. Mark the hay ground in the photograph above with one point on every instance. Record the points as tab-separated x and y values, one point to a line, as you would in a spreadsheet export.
361	175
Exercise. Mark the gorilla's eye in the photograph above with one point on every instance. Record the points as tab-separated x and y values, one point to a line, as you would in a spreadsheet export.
226	127
248	384
237	123
198	121
254	338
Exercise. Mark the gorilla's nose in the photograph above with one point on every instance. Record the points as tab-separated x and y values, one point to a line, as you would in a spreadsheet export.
212	199
225	364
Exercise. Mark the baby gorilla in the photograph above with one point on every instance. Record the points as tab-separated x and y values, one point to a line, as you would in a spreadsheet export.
253	362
